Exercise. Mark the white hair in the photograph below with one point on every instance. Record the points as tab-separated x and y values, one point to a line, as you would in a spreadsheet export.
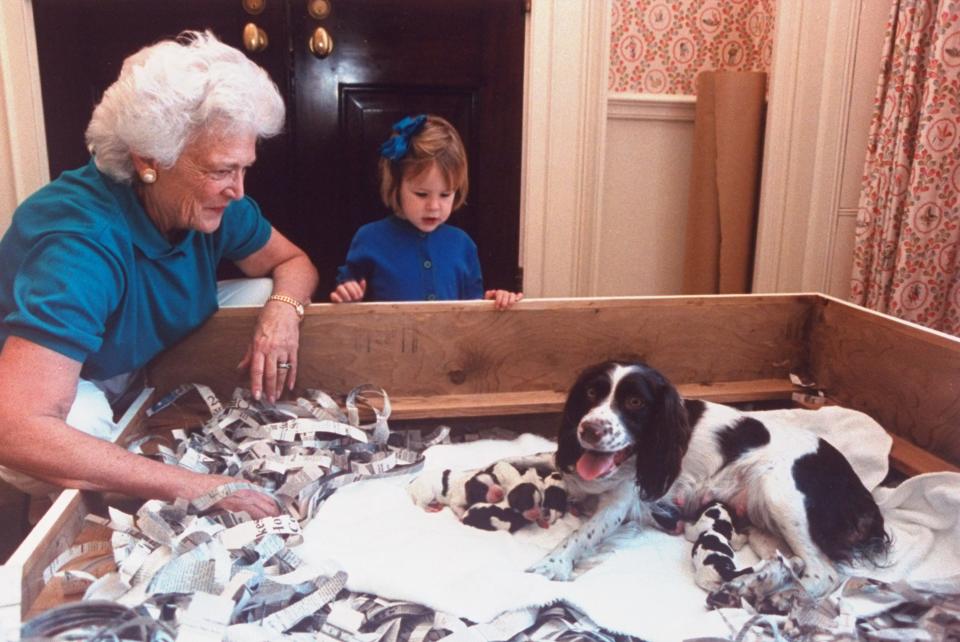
170	92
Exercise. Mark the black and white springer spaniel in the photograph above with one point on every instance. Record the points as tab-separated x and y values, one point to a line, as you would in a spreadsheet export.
628	437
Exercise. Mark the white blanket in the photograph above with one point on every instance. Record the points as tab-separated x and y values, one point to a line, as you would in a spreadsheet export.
641	583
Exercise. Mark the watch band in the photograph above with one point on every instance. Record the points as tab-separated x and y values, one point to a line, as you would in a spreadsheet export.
290	301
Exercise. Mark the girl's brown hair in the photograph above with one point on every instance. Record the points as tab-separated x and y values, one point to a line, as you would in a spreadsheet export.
437	143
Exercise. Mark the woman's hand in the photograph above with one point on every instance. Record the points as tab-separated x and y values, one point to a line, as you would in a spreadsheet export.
272	354
349	291
503	299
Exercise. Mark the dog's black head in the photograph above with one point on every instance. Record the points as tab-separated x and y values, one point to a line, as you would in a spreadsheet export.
618	410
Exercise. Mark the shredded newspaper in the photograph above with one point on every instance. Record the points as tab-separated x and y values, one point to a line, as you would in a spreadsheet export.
184	571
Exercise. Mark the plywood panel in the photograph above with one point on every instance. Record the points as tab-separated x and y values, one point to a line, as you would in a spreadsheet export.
424	349
904	376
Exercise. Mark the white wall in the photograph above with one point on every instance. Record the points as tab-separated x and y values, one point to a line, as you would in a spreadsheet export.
646	181
826	62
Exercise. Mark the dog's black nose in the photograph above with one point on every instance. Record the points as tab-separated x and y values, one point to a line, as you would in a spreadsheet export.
592	431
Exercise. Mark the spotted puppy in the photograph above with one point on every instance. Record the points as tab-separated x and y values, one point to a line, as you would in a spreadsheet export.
494	517
438	488
715	538
521	504
555	499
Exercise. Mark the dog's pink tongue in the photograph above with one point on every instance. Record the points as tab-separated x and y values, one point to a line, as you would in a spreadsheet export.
592	465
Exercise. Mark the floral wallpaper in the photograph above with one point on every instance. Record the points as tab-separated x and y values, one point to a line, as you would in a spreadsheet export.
659	46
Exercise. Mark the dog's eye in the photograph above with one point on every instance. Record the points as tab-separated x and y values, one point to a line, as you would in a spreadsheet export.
592	393
634	403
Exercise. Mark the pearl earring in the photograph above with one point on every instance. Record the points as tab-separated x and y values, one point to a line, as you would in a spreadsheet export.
148	176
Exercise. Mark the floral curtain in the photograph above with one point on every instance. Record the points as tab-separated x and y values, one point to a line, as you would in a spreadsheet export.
906	259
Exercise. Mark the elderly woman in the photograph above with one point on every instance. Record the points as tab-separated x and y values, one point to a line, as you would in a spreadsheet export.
112	263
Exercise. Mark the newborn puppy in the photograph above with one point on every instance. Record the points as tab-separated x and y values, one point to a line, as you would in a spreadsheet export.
526	495
482	486
435	489
715	538
494	517
521	505
555	499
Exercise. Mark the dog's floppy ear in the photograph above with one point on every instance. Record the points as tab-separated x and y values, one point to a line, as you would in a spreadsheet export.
568	446
577	405
665	441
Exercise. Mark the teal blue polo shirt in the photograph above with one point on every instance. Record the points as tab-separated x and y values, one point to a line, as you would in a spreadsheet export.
84	272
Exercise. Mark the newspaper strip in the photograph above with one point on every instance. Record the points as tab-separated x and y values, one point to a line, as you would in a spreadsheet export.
206	619
78	550
285	619
242	534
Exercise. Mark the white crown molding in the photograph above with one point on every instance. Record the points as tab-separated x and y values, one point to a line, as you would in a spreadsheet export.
658	107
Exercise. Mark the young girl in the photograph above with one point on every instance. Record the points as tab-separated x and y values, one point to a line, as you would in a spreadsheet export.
413	255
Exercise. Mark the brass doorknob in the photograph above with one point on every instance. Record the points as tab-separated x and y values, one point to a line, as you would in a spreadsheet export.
254	38
321	43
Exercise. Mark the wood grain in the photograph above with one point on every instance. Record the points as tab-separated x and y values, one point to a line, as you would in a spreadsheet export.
911	459
427	349
53	534
532	402
904	376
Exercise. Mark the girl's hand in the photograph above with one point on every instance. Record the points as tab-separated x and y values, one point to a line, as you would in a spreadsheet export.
503	299
349	291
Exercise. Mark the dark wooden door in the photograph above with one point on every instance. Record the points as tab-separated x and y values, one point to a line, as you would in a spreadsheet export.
462	59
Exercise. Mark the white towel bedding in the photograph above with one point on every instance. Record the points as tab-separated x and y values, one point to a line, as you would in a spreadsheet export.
641	583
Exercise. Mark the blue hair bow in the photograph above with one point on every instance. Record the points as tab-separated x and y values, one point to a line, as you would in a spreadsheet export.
396	146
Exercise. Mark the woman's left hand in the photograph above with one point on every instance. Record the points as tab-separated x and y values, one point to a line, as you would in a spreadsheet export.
272	354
